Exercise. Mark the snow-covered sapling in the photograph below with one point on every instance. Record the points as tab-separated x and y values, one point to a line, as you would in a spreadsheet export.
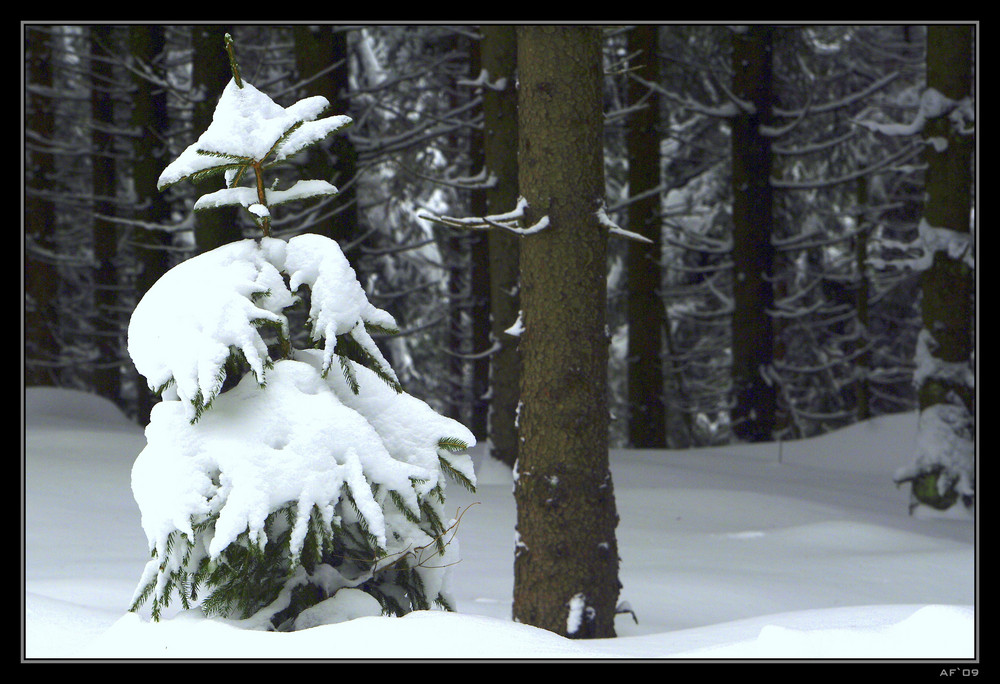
313	488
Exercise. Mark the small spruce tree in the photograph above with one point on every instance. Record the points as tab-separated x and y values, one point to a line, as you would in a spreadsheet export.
285	487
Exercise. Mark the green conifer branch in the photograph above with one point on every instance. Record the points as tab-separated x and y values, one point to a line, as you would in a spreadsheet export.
455	474
349	348
282	138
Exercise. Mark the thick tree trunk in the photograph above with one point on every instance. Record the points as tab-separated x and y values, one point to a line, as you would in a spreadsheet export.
647	416
499	56
753	295
566	558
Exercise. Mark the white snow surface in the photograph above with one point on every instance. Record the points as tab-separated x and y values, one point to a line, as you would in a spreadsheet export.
728	553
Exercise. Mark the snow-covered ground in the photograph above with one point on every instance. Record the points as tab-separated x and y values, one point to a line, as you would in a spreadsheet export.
748	552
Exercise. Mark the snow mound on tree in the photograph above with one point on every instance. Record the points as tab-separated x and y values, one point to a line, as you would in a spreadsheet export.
257	450
249	125
187	325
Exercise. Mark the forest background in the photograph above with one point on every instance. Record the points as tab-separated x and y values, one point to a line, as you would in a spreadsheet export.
794	154
107	106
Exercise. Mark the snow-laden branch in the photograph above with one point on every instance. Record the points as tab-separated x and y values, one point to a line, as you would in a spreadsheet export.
778	131
614	229
509	221
906	152
945	447
185	328
483	80
814	147
248	127
932	105
699	243
371	147
840	103
814	238
481	181
959	246
726	110
488	352
247	197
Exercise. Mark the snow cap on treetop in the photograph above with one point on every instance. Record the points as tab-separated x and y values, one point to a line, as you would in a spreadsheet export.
249	126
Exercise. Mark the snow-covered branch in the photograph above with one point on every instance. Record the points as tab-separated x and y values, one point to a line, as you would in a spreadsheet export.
906	152
614	229
726	110
483	81
510	221
957	245
842	102
932	105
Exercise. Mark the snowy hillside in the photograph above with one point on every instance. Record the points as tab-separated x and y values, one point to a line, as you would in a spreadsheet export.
802	551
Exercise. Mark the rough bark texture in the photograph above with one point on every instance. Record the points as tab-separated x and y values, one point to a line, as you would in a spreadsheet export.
566	559
499	56
753	337
647	416
948	286
479	277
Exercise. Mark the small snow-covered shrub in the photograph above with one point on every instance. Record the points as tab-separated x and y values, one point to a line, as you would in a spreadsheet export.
315	472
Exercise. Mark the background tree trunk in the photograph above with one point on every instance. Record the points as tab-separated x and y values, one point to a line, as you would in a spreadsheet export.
318	48
753	295
150	118
106	327
566	559
499	56
479	277
647	416
41	277
948	286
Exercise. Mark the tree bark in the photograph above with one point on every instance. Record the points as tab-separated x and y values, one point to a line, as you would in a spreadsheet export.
753	295
948	286
499	56
479	277
647	415
566	557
